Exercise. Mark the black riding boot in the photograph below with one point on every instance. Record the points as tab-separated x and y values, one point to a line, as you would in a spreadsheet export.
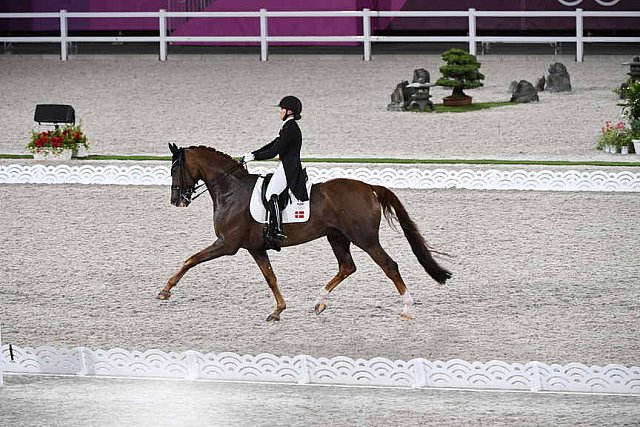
274	235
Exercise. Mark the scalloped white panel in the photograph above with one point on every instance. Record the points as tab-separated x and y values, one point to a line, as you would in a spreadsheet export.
416	373
480	179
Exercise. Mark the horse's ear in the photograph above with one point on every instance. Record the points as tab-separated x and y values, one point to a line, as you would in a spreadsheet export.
173	147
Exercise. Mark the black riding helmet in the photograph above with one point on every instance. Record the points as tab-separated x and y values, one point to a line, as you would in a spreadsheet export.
291	103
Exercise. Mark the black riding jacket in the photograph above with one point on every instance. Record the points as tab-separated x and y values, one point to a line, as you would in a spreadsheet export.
287	146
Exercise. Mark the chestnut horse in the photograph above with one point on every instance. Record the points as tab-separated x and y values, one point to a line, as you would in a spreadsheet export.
345	210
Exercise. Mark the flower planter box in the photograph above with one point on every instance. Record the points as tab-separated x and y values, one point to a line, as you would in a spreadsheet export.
50	155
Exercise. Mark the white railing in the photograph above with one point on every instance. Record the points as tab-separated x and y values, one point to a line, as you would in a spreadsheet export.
302	369
420	179
366	38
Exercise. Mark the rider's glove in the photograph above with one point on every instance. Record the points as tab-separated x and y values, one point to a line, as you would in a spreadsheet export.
248	158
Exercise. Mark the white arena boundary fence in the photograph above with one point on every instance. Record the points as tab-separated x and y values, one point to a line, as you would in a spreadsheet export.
366	38
302	369
410	178
377	372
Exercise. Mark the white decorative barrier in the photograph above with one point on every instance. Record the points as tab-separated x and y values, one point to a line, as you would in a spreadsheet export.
415	373
487	179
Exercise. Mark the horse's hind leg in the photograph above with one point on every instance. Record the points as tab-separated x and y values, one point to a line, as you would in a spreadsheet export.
340	245
390	268
262	259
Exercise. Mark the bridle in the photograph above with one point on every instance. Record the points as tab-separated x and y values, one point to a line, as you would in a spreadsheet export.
186	192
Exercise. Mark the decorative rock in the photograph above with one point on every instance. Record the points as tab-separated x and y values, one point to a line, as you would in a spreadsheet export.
407	96
418	90
558	79
524	93
540	84
399	97
512	86
634	68
420	97
421	75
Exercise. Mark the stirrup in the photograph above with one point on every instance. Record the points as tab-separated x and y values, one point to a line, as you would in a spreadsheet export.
273	241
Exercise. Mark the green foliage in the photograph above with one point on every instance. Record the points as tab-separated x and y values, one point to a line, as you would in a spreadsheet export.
617	135
634	125
631	107
69	137
461	71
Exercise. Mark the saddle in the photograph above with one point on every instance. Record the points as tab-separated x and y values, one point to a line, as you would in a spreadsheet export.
293	210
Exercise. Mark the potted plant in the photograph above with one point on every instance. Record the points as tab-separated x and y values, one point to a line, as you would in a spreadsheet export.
614	137
460	72
60	143
631	110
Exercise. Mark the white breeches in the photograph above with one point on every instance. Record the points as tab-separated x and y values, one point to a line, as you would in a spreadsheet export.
278	182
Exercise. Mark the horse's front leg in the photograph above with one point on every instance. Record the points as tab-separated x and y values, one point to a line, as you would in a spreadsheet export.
216	250
262	259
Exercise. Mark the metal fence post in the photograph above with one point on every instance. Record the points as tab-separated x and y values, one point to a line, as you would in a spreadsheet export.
366	32
63	35
579	34
264	46
472	31
163	34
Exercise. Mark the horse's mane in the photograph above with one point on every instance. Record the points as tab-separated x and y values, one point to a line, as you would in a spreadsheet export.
217	153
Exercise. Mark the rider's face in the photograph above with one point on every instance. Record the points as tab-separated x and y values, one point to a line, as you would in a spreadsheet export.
283	112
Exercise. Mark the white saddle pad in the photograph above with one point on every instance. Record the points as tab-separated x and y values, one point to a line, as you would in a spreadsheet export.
296	211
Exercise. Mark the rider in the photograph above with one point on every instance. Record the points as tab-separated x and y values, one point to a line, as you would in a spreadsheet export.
289	172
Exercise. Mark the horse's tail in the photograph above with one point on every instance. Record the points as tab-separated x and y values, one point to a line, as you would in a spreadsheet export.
390	203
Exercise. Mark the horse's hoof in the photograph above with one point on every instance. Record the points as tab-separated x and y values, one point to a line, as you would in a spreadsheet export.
406	317
273	318
164	295
320	307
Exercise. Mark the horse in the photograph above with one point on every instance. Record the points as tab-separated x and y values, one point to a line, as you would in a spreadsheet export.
346	211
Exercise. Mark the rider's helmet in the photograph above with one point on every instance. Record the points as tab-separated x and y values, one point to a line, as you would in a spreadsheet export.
291	103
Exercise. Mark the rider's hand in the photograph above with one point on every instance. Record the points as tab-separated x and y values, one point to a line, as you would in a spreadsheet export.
248	158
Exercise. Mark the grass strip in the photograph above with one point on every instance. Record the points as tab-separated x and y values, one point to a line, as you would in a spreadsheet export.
473	107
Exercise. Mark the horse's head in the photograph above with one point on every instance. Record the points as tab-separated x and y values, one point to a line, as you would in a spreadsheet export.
182	183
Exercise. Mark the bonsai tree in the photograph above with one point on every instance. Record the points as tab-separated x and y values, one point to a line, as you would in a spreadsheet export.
460	72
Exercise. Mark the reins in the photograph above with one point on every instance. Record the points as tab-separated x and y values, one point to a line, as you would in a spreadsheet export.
224	175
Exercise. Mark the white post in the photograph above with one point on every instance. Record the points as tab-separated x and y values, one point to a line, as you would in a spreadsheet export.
1	359
63	35
472	31
163	34
366	32
536	383
304	371
82	362
579	35
193	371
420	378
263	35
